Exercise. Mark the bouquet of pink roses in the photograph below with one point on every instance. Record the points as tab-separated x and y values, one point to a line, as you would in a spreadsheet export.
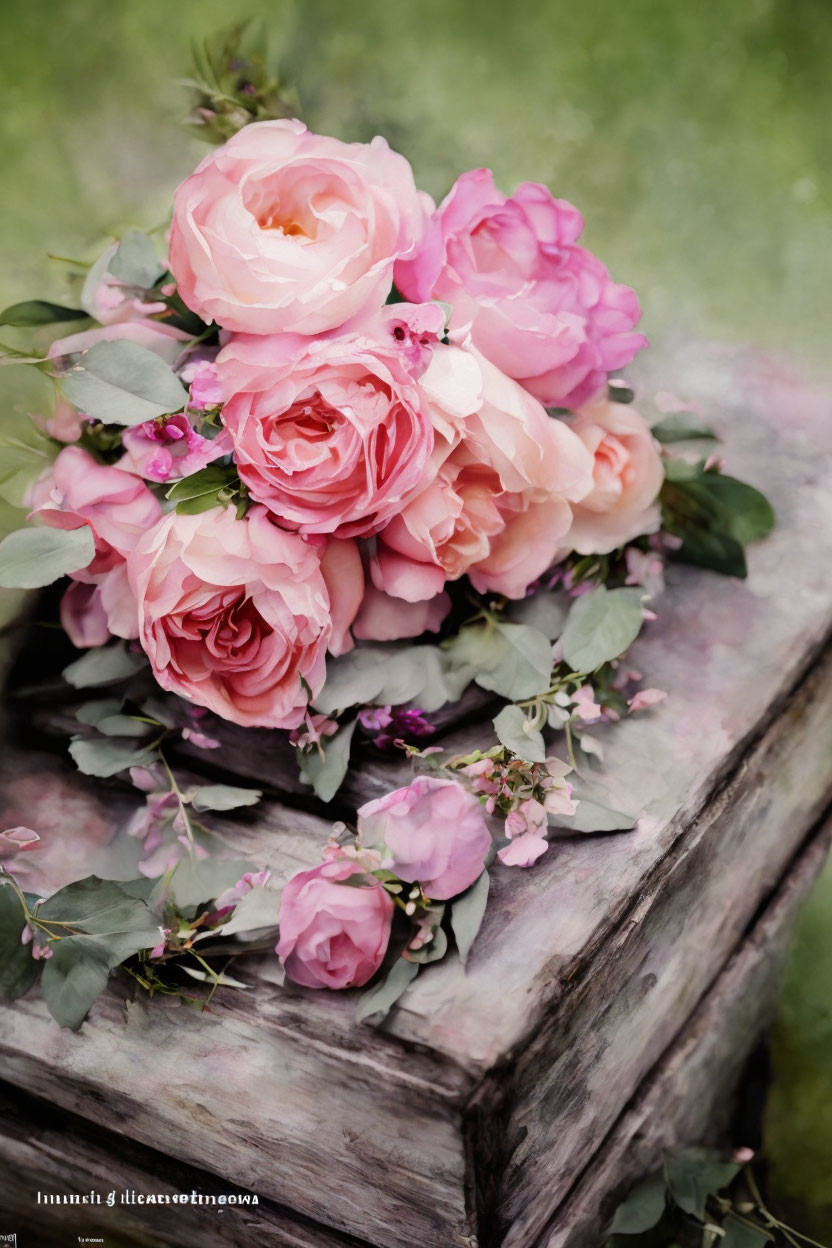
336	455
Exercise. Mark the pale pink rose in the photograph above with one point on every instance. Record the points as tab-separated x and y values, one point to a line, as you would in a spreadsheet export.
495	502
627	477
170	448
434	831
543	309
343	575
234	615
281	229
333	934
331	434
385	618
118	507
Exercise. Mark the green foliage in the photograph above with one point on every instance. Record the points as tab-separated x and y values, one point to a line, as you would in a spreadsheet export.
601	626
33	313
513	660
134	261
224	797
120	383
467	913
32	557
18	969
378	1001
103	665
326	767
715	516
103	758
595	816
518	734
214	486
389	675
543	610
682	427
25	452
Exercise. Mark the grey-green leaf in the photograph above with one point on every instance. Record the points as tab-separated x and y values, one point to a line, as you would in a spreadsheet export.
34	312
73	978
513	660
103	758
134	260
18	969
467	914
693	1174
120	383
642	1208
224	797
545	611
379	1000
103	665
326	774
592	816
740	1235
198	880
601	626
682	427
32	557
515	732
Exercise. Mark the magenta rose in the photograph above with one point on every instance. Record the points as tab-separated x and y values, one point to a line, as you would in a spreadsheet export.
627	476
333	934
434	832
543	309
233	614
495	498
332	435
281	229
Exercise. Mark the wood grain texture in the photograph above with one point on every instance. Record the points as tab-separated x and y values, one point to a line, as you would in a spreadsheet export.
486	1094
688	1098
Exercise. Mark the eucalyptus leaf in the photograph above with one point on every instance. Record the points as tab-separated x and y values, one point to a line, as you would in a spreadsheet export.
120	383
103	758
257	909
389	676
198	880
134	260
326	774
34	312
224	797
467	913
594	816
513	660
18	969
101	907
682	427
693	1175
103	665
97	709
515	732
545	611
379	1000
123	726
73	978
32	557
642	1208
601	626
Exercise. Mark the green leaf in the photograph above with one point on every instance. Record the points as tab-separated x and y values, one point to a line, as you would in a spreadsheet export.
601	626
103	665
513	660
746	514
467	913
682	427
592	816
202	485
195	881
18	969
715	551
120	383
544	611
123	726
134	260
32	557
257	909
326	774
693	1175
105	758
25	451
34	312
514	731
224	797
101	908
642	1208
740	1235
379	1000
73	978
96	709
389	675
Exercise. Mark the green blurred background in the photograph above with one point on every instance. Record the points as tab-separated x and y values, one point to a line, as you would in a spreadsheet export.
696	138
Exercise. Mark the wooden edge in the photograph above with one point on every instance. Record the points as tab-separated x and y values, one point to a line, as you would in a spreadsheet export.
48	1152
688	1097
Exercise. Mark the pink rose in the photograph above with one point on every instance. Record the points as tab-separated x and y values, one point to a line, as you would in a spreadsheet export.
332	434
434	832
385	618
281	229
542	309
496	493
233	614
332	934
627	477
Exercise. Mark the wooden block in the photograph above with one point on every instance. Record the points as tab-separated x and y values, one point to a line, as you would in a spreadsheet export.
471	1114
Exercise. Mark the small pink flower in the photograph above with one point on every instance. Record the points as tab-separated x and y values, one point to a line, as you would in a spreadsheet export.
584	705
170	448
204	382
644	568
41	952
159	949
523	850
333	934
374	718
435	832
200	739
645	698
316	728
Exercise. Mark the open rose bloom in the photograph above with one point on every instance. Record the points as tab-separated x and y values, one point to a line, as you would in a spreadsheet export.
307	462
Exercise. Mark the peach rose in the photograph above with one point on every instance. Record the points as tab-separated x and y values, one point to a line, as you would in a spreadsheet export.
497	493
627	476
281	229
233	614
543	309
331	434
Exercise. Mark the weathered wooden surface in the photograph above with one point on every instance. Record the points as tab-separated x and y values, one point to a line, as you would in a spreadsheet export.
688	1098
482	1100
